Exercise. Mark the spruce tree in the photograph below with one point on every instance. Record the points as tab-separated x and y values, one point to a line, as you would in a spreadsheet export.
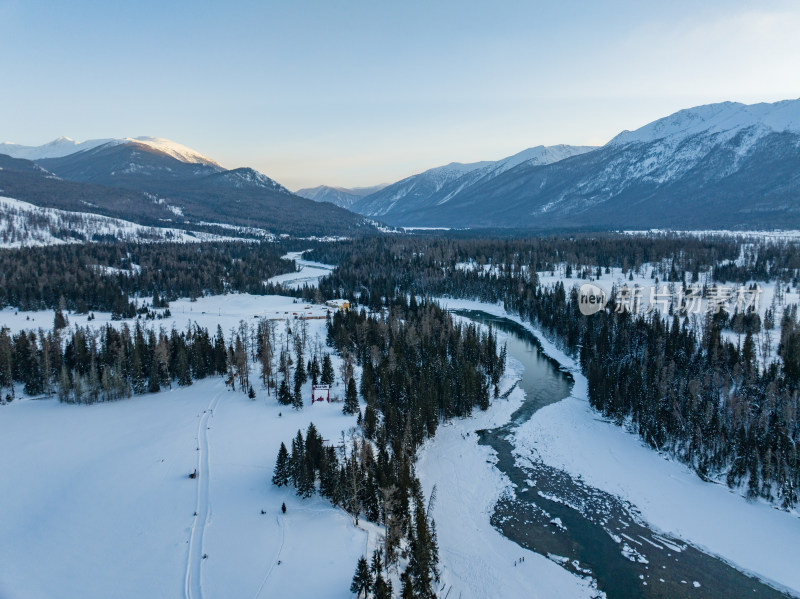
305	483
297	399
282	471
362	579
327	371
284	396
59	321
350	398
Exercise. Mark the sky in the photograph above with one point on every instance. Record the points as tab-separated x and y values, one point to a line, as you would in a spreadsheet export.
361	93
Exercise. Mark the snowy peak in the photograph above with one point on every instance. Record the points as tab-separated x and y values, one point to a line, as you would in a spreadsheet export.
724	117
170	148
64	146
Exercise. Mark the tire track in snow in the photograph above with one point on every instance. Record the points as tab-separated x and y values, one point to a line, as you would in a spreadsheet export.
282	523
193	584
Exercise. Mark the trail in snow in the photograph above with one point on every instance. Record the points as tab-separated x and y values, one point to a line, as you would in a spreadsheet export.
193	586
282	524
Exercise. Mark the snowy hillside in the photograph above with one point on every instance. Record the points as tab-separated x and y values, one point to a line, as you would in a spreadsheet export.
246	177
723	165
725	117
25	225
64	146
170	148
441	184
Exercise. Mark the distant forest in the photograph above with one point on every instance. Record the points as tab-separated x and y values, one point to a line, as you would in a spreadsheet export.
109	276
683	388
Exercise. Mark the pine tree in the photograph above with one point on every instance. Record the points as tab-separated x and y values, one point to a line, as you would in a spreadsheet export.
282	470
297	399
313	370
350	398
284	396
297	458
362	579
59	321
407	588
305	483
327	371
382	588
422	565
370	422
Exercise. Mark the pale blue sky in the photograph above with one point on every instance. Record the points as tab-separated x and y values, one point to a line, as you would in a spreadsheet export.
356	93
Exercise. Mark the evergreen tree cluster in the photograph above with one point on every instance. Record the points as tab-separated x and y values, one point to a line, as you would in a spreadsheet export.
419	368
109	276
87	365
677	380
372	480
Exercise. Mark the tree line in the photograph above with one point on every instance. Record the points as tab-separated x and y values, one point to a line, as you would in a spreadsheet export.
110	276
680	382
418	368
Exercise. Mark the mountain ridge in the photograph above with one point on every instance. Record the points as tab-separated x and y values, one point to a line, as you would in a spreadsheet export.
439	185
727	164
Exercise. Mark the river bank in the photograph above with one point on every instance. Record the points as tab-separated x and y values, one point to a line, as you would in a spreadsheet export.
661	494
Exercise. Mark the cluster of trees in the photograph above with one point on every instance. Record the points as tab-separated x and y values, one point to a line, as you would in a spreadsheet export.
375	481
418	367
683	384
85	365
108	277
318	369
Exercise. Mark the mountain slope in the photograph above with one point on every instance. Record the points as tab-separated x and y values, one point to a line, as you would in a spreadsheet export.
340	196
25	225
26	181
721	165
198	190
440	185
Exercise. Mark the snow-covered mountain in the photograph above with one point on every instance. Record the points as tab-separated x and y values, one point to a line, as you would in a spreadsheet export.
720	165
64	146
156	181
341	196
439	185
724	118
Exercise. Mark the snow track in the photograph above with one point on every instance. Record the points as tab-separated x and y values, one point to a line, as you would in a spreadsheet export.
281	523
193	585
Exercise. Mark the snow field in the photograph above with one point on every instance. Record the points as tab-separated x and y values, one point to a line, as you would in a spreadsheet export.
98	501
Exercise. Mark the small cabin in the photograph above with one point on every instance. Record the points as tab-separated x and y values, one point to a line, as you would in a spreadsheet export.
320	393
339	304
